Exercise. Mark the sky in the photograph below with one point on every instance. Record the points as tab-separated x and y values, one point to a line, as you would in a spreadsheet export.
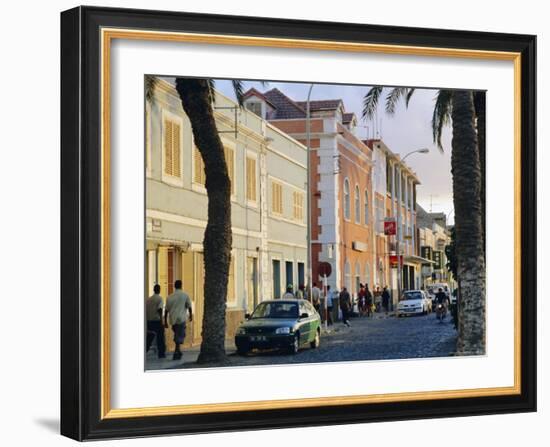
405	131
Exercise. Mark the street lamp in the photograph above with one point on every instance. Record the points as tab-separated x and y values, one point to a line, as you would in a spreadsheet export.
423	150
308	144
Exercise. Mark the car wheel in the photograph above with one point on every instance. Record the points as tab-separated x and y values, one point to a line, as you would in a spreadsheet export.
295	346
317	340
242	351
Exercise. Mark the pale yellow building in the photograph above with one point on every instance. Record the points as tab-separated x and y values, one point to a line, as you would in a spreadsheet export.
268	175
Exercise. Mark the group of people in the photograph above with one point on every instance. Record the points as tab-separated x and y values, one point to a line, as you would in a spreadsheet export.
175	314
367	302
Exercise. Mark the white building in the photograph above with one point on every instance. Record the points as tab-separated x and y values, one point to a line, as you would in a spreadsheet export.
268	175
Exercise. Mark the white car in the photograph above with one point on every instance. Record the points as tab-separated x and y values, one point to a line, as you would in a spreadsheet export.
414	302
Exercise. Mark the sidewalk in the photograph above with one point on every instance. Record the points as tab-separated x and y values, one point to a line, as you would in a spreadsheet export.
190	355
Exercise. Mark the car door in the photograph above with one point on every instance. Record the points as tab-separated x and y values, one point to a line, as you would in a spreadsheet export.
305	323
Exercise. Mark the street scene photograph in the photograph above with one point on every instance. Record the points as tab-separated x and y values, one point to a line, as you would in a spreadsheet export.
296	222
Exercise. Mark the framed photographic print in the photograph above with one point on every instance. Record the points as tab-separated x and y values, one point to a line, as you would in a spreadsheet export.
276	223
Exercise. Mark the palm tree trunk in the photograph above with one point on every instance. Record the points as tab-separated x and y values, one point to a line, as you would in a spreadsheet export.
465	165
479	104
196	100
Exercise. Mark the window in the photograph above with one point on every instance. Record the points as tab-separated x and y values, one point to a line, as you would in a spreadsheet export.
298	201
251	179
366	207
389	169
357	205
347	203
255	107
347	276
172	149
357	276
198	176
367	274
230	161
276	198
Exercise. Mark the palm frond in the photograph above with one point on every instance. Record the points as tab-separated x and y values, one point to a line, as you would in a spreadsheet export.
370	101
150	85
238	88
409	95
212	90
393	98
441	115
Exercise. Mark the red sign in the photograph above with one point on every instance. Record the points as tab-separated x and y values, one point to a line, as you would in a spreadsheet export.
390	227
325	269
394	259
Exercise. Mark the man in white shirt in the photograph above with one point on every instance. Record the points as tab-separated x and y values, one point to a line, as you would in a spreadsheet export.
154	313
177	307
316	298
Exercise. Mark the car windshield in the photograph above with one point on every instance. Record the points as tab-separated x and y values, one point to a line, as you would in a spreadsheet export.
412	296
276	310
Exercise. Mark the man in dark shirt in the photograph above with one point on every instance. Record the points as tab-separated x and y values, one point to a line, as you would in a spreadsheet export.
345	305
441	297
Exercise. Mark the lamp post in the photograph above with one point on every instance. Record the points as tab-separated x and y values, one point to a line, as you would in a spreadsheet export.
423	150
308	175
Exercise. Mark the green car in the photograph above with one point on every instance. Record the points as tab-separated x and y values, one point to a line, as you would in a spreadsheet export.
279	324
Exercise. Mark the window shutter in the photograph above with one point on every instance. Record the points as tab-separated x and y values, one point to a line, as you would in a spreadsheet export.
176	150
230	161
231	281
167	147
251	179
199	176
277	198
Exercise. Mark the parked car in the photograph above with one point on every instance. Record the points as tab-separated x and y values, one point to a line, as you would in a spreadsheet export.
279	324
414	302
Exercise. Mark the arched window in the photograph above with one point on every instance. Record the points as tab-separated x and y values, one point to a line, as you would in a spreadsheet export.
347	203
347	276
357	205
367	275
366	218
357	276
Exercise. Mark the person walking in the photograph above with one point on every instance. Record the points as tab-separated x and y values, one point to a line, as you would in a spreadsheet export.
316	298
369	301
178	306
377	299
361	300
345	305
386	299
329	306
154	313
289	295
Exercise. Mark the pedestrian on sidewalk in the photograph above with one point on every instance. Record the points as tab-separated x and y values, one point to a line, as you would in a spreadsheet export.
329	306
386	299
316	298
369	301
178	306
361	300
345	305
154	313
289	295
377	299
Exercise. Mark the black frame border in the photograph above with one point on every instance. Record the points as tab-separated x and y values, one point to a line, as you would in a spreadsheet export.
81	223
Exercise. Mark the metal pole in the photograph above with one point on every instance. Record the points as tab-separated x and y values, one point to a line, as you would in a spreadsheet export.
308	176
398	239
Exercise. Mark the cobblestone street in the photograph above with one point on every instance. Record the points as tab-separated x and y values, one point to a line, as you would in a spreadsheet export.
378	338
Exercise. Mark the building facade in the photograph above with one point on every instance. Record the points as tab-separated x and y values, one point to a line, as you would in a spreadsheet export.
340	179
268	172
433	237
394	185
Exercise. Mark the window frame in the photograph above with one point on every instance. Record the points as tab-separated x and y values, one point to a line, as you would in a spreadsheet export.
168	178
